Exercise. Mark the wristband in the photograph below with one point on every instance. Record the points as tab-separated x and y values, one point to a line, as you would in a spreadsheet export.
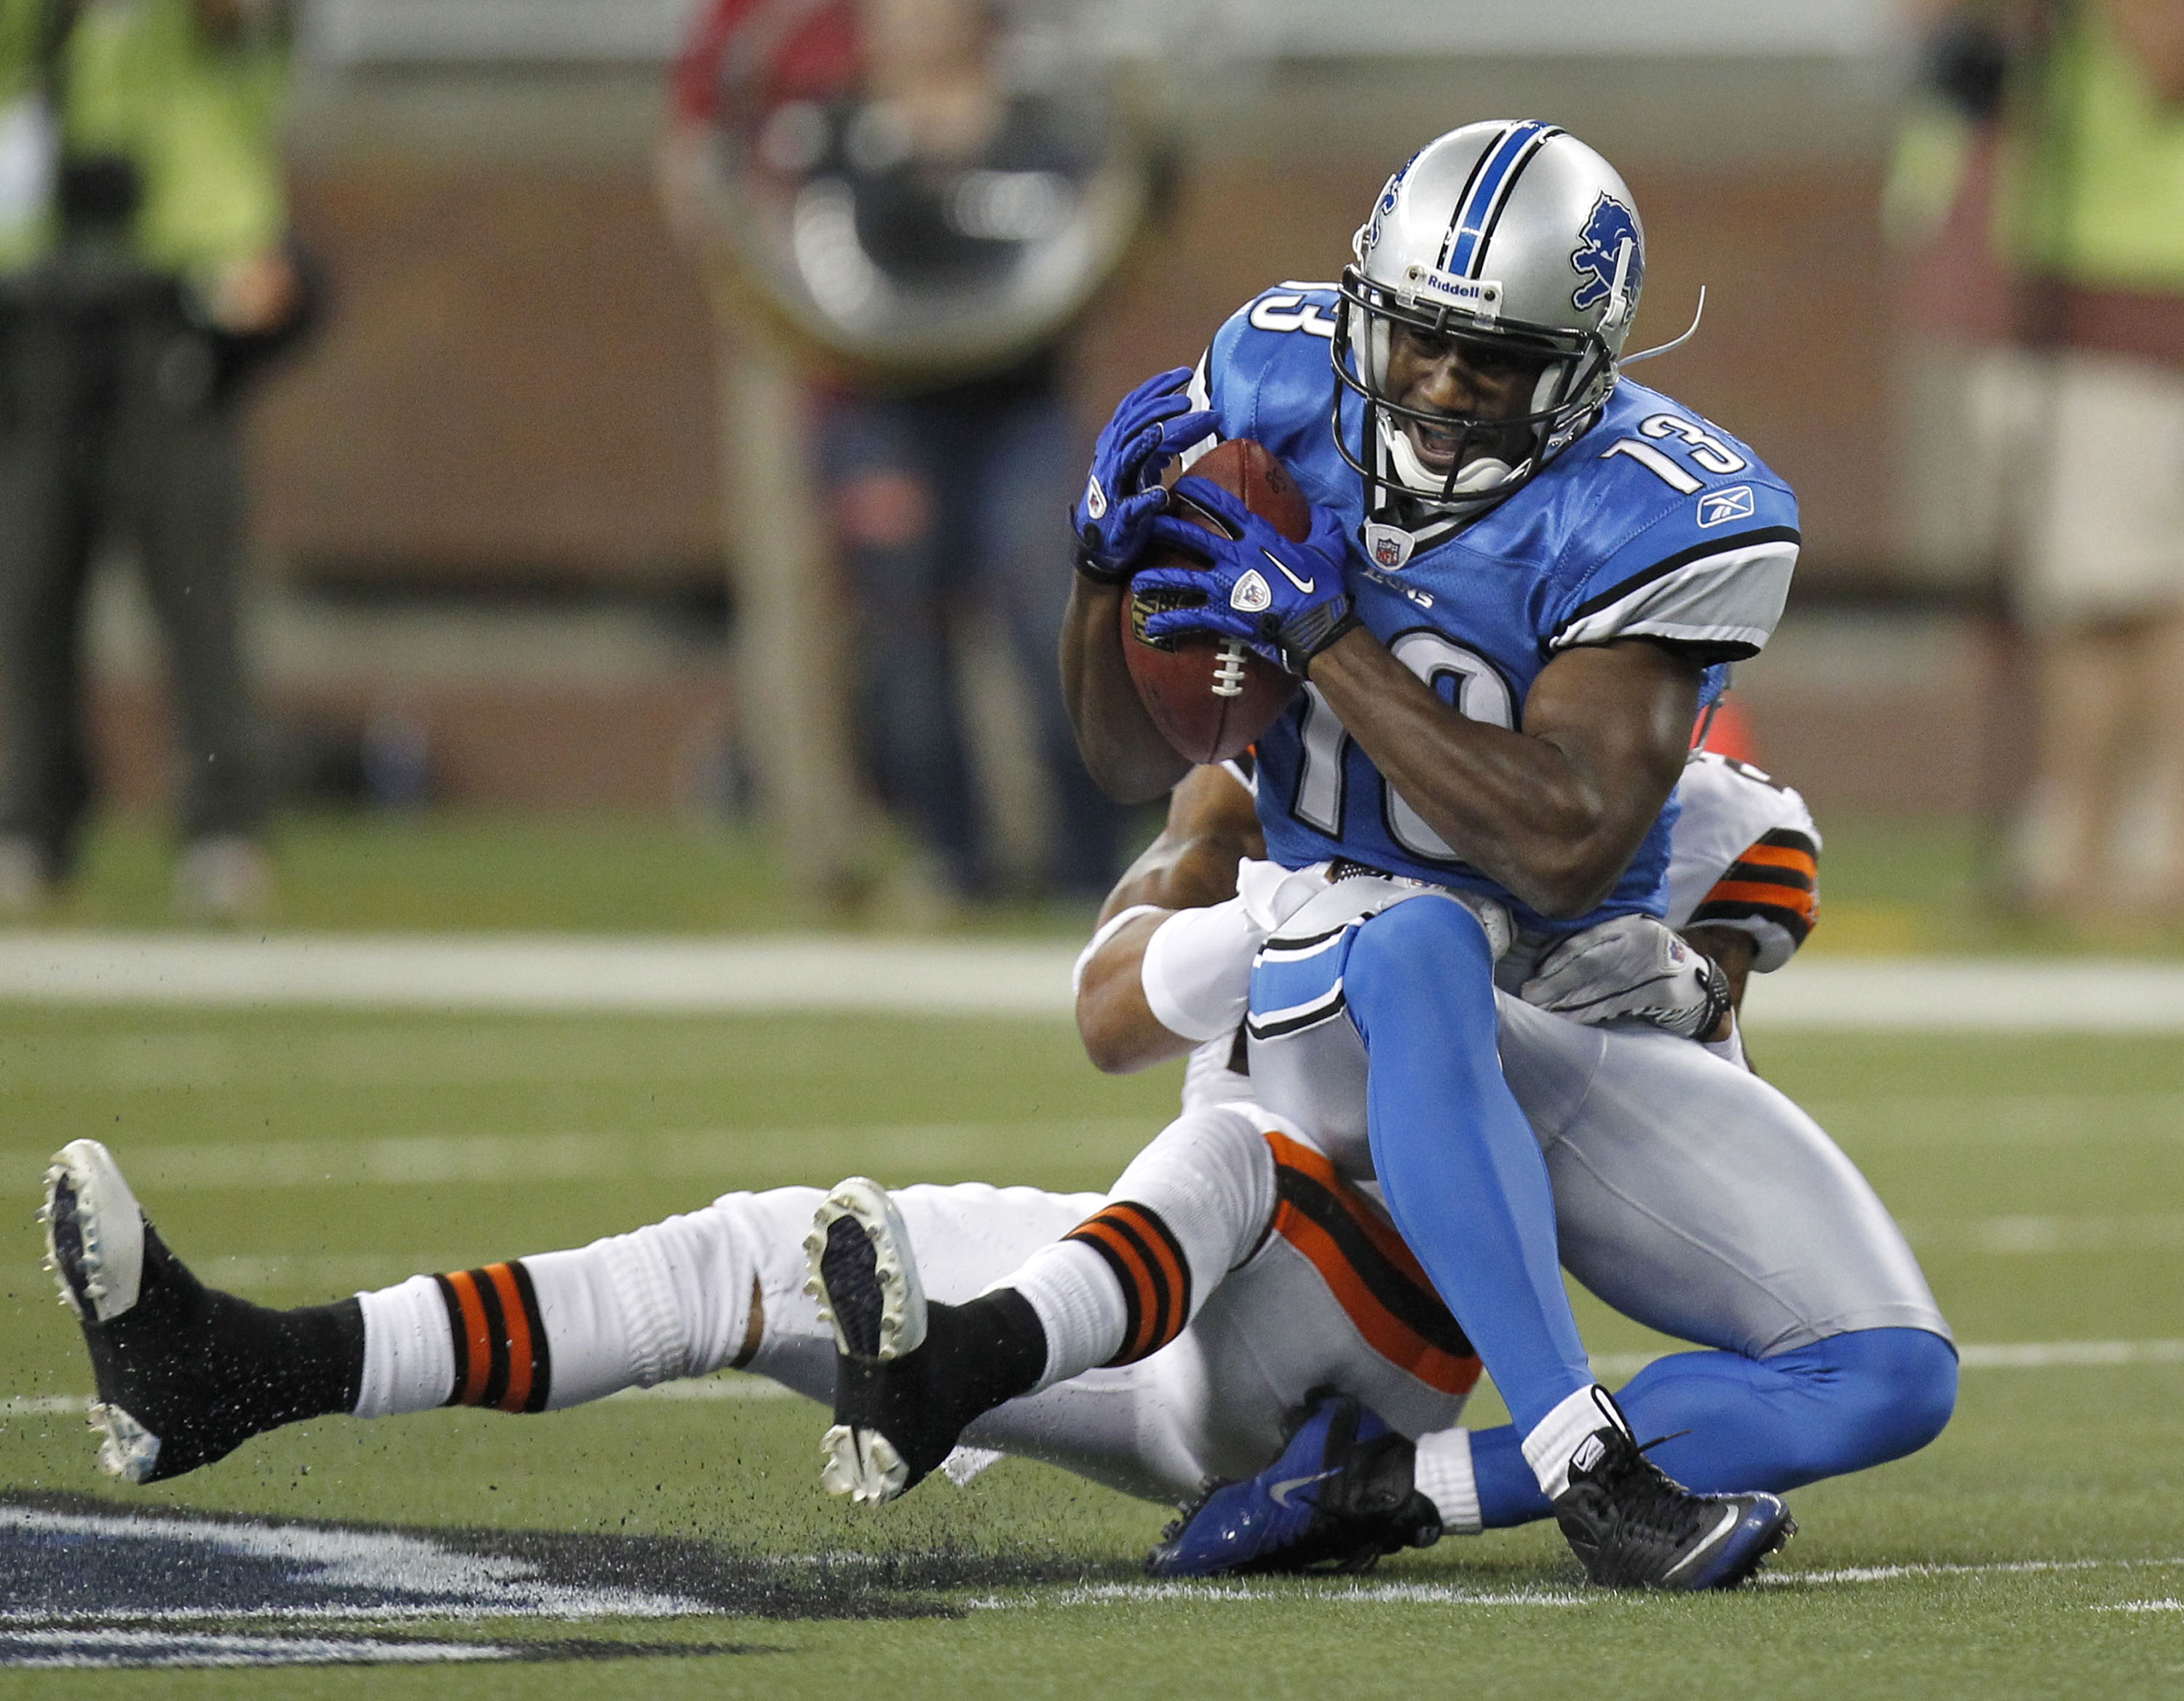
1730	1050
1107	930
1309	634
1100	575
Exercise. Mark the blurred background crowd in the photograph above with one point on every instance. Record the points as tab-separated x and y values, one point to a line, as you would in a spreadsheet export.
606	459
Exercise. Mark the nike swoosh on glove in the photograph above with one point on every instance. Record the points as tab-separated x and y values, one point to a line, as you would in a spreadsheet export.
1288	600
1631	968
1113	518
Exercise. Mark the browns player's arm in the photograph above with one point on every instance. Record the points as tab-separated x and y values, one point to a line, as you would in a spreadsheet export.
1123	750
1210	826
1734	949
1555	811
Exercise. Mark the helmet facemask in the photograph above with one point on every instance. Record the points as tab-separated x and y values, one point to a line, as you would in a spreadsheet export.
1490	458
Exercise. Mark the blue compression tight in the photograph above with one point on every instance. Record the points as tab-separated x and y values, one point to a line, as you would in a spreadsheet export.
1841	1404
1462	1174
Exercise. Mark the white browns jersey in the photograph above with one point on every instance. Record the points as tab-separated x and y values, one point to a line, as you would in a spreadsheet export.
1744	855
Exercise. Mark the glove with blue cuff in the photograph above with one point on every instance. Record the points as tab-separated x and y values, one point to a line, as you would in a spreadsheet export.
1113	518
1288	600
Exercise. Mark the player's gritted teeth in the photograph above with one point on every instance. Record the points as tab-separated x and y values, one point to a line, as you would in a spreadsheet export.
1464	381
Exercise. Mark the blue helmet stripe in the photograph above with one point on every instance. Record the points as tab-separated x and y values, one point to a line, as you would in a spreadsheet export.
1489	188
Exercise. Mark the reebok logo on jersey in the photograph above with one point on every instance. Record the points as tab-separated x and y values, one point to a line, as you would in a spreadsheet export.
1719	507
1303	585
1281	1492
1252	594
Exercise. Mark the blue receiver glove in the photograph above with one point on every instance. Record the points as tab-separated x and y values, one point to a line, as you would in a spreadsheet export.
1114	516
1289	601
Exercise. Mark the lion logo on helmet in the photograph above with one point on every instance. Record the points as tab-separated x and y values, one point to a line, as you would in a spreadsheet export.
1390	196
1611	225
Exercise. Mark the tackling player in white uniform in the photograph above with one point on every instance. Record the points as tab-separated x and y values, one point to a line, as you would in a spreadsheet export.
1265	1278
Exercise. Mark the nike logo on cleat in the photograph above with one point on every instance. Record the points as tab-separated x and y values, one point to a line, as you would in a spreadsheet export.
1729	1516
1281	1492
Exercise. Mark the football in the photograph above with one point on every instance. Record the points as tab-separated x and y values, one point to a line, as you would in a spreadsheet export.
1212	697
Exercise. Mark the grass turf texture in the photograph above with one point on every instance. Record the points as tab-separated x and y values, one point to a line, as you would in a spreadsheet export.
400	1144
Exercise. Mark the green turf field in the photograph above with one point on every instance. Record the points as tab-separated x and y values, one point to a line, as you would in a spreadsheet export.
2040	1178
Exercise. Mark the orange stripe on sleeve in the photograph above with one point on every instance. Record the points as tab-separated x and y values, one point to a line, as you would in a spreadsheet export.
1780	856
1805	904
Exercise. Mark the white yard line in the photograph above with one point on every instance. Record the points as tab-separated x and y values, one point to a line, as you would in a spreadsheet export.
533	973
944	977
712	1155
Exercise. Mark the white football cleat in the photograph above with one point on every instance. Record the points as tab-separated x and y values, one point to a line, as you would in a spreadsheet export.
94	1232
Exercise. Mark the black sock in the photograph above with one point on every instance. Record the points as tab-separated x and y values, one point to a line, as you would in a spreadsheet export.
976	1355
992	1349
205	1370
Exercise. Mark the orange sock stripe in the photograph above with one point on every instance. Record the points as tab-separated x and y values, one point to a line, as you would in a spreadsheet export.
1172	1271
1130	1272
501	1358
473	1340
1149	1266
517	1325
542	1353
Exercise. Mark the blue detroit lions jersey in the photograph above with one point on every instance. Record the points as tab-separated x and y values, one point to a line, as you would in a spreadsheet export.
1653	524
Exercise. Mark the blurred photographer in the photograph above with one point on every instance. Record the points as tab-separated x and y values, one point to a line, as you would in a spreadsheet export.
927	226
144	275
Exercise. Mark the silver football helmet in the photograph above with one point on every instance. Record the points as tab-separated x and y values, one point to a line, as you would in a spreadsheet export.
1522	245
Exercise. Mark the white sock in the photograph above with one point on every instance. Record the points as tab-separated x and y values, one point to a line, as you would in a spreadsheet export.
1559	1435
1443	1474
409	1349
1080	1305
672	1299
1205	1189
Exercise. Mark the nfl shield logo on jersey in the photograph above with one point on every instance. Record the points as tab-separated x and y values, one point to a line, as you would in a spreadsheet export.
1611	225
1389	545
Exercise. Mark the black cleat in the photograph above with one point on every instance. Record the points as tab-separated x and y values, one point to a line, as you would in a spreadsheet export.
1338	1497
908	1375
1633	1526
186	1374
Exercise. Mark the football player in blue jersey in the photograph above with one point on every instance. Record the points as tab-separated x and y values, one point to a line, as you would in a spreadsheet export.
1522	568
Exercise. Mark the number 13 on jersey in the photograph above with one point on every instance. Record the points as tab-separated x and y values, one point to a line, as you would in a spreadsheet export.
1459	675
